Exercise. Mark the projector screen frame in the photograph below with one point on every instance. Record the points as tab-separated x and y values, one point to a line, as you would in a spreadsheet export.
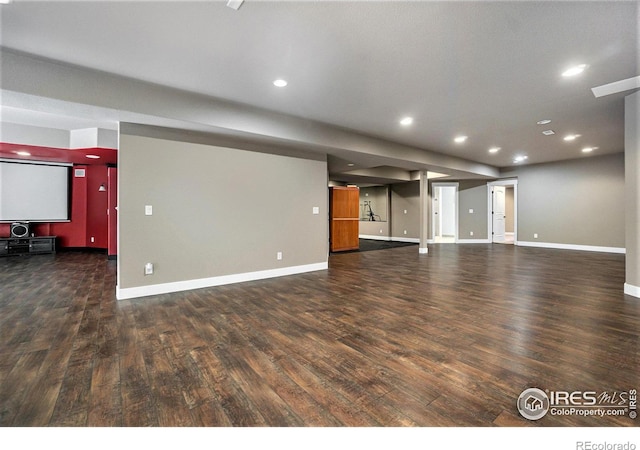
69	184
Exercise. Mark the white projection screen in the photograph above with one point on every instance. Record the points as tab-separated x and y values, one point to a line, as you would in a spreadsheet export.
34	192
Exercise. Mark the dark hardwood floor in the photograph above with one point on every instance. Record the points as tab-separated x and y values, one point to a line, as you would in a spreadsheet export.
386	338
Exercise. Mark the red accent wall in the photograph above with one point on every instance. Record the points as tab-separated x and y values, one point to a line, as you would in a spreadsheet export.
72	234
97	203
89	217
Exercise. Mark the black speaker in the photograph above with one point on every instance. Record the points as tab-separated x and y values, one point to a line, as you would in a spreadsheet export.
19	229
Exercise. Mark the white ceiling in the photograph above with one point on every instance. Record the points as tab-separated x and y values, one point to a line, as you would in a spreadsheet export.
488	70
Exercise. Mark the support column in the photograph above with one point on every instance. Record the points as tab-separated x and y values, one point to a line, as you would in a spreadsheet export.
424	211
632	193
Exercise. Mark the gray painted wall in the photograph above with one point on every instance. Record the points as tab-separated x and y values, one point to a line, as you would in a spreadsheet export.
578	202
472	195
379	229
216	211
508	210
379	198
632	192
405	197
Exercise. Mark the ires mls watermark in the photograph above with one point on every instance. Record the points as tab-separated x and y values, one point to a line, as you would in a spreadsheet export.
534	403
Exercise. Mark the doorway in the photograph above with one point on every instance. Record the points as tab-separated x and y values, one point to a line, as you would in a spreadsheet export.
444	218
502	220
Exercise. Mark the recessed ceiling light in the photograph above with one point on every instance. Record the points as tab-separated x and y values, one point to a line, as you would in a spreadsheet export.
460	139
571	137
93	156
494	149
543	121
280	82
23	153
548	132
575	70
589	149
406	121
518	159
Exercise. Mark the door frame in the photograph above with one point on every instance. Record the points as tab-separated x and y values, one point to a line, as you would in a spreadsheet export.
434	185
512	183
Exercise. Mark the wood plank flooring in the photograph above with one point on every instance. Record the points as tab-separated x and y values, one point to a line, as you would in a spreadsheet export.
384	338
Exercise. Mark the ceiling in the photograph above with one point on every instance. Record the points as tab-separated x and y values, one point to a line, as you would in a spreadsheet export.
486	70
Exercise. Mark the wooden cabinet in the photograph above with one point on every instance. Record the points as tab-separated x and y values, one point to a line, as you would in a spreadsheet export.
344	215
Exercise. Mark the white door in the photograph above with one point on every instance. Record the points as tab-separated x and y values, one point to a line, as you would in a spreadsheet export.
437	225
498	196
448	212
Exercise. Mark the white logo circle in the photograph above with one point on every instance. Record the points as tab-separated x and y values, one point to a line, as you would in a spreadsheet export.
533	404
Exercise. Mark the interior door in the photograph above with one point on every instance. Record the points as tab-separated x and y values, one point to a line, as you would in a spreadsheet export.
499	216
437	225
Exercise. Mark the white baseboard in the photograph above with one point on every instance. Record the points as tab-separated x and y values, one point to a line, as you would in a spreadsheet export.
404	239
586	248
374	237
177	286
473	241
632	290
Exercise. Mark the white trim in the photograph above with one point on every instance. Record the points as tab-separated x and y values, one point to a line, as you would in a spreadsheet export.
586	248
431	241
374	237
632	290
36	163
423	250
404	239
473	241
177	286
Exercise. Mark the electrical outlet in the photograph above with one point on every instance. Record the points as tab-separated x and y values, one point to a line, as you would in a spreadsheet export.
405	211
535	235
279	256
380	231
405	231
470	233
93	239
148	269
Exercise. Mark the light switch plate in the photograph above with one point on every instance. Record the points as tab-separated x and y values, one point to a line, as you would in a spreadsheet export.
316	210
148	210
470	211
